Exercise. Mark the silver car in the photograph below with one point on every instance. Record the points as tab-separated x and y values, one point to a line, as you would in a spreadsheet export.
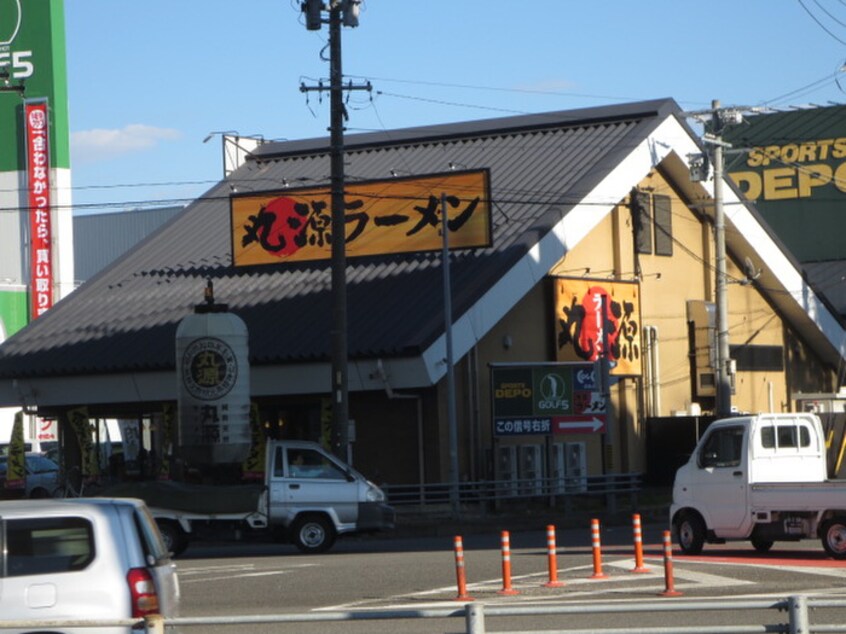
83	558
42	476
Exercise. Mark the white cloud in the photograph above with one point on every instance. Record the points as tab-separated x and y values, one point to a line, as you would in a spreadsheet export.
89	146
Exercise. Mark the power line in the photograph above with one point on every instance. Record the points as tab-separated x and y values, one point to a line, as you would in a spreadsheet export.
441	102
829	13
820	24
809	87
527	91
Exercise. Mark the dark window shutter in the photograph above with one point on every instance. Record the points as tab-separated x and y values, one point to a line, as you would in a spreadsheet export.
663	225
642	221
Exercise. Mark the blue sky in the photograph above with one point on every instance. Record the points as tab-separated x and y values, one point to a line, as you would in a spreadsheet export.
148	81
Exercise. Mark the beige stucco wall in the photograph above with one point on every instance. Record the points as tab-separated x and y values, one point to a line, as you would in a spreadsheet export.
666	284
527	335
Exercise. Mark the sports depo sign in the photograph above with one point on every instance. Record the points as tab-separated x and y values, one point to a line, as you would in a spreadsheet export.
547	399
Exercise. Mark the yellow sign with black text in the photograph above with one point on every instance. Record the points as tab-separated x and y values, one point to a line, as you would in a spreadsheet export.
400	215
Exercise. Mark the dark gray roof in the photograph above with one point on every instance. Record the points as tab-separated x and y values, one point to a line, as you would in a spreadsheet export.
125	317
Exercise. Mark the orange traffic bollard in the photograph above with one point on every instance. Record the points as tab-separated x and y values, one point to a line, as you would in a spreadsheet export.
552	557
638	544
597	551
459	571
506	565
670	590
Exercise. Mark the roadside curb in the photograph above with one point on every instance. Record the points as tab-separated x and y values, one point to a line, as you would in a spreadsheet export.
412	524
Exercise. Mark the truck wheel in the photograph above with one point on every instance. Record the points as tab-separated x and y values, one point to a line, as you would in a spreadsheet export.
690	534
175	539
833	535
313	534
761	545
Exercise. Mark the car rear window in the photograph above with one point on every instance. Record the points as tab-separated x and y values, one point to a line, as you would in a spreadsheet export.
36	546
151	539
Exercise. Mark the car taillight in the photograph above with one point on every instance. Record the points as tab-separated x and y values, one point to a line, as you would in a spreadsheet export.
142	589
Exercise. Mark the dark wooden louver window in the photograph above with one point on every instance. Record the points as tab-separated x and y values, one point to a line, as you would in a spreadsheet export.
663	225
642	220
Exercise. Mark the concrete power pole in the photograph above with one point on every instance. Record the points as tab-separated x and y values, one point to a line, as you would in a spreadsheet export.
723	360
716	119
339	11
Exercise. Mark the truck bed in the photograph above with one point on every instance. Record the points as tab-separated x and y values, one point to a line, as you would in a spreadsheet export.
798	496
206	499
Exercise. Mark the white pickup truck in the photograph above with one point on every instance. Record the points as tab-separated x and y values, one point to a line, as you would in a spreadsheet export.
761	478
308	497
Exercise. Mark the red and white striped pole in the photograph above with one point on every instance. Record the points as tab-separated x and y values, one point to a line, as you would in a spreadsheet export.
597	550
506	565
638	544
670	590
552	558
459	571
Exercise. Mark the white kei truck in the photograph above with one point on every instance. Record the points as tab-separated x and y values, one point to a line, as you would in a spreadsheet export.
761	478
308	497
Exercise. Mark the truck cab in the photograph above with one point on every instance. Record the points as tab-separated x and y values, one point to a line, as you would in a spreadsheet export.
317	497
762	478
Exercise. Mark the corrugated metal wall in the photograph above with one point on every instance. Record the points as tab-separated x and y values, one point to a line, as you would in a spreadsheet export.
100	239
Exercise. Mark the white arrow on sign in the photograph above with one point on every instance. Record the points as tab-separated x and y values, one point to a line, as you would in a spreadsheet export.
571	425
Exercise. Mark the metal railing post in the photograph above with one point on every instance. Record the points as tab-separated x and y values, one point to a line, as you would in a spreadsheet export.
475	618
154	624
797	607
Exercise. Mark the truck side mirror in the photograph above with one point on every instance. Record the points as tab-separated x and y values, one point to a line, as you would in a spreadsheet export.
708	459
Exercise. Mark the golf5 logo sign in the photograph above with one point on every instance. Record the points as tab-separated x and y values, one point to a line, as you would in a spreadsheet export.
17	63
553	396
209	369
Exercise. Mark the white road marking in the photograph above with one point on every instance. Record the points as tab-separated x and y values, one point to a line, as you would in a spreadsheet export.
580	585
232	571
267	573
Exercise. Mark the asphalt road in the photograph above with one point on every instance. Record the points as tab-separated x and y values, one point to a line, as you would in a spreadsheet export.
366	574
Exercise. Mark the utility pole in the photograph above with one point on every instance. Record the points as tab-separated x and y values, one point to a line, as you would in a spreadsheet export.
715	123
723	370
455	498
339	11
716	120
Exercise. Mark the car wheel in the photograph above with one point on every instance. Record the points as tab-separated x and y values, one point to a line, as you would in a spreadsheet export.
313	534
690	534
761	545
833	536
175	539
39	493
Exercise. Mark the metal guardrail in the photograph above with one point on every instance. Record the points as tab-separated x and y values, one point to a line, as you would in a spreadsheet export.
797	610
551	489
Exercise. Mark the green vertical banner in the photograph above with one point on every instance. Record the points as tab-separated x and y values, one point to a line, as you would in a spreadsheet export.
254	465
16	470
168	441
81	426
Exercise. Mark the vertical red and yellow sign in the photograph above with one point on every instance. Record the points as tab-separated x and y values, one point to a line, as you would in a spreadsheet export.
36	124
596	318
